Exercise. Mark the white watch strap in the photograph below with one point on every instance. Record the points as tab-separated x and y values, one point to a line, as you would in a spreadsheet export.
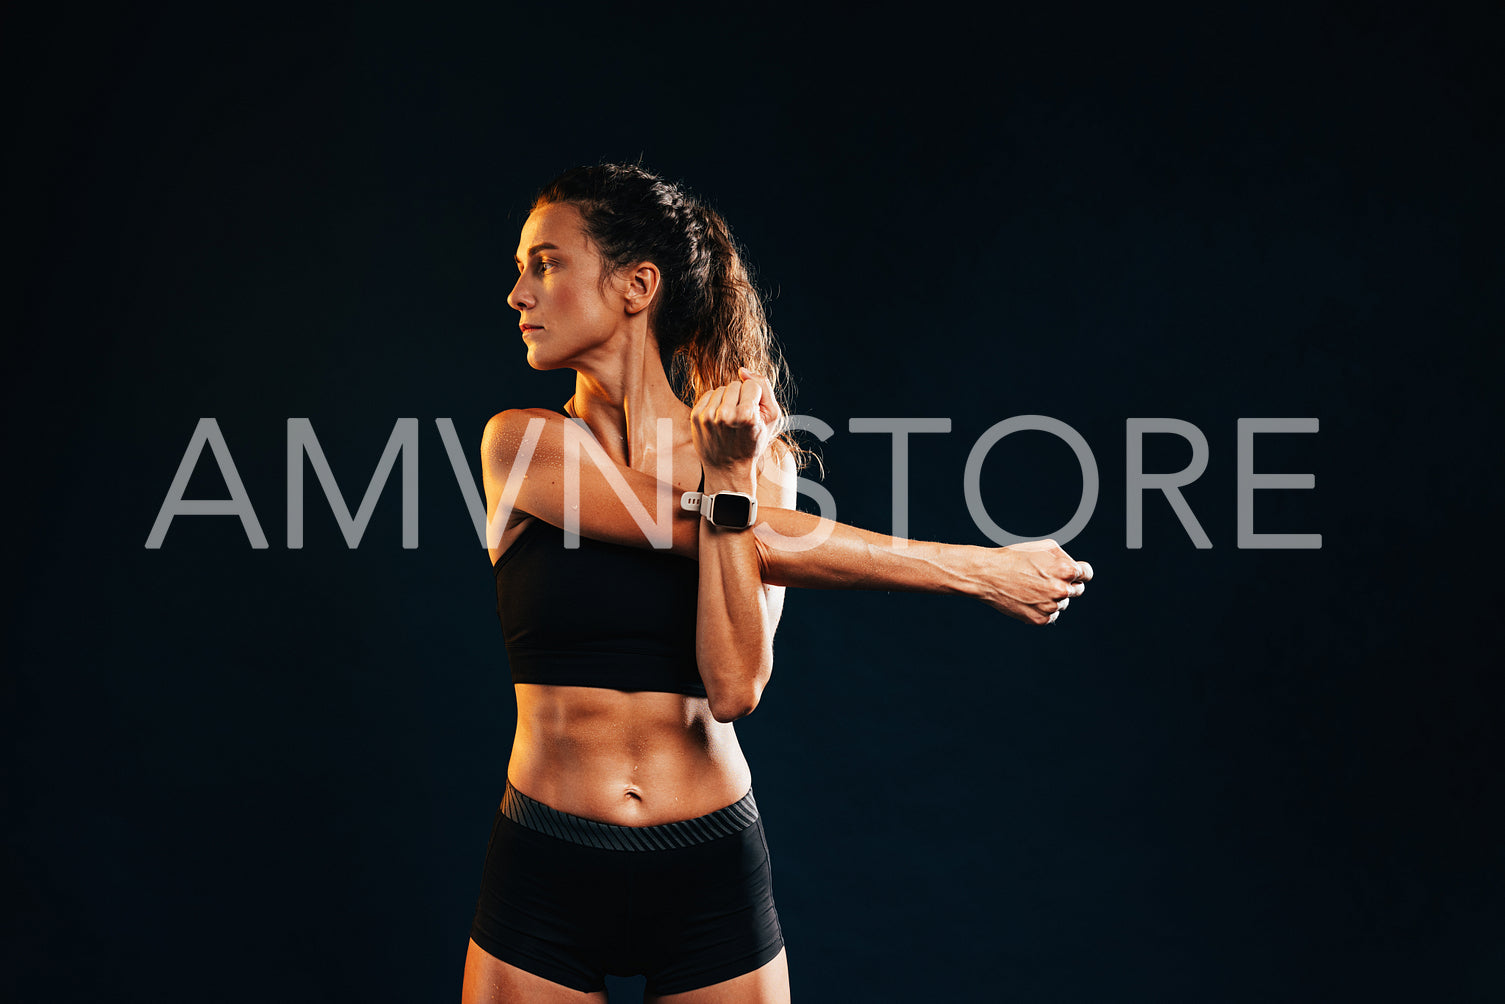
704	503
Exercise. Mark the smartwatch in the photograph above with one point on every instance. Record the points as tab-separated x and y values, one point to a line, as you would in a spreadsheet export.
728	510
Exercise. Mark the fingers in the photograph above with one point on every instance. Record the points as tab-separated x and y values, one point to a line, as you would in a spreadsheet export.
741	401
730	404
729	422
1074	576
769	402
711	403
736	404
1074	571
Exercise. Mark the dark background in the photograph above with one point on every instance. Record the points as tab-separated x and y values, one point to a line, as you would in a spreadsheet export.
1226	775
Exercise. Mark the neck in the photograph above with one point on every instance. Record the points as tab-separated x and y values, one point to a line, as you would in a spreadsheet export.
623	399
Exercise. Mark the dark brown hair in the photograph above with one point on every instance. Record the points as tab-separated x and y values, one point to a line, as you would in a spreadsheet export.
708	317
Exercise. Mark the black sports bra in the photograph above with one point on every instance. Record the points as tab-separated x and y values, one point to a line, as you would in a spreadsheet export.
636	633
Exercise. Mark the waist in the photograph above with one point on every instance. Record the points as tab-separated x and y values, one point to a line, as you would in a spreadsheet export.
543	818
633	759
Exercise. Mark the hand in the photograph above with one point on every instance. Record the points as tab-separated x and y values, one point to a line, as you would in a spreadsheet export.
733	424
1033	581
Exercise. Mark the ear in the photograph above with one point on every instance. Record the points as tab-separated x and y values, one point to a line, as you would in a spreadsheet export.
642	286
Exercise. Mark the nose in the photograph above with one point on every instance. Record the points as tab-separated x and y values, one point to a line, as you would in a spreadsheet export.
520	298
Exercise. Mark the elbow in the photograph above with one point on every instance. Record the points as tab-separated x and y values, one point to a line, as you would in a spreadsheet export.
728	705
726	711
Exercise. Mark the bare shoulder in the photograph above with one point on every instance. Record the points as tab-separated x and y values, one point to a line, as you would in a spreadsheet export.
514	420
505	431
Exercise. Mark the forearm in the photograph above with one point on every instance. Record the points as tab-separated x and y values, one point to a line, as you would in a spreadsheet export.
733	637
812	552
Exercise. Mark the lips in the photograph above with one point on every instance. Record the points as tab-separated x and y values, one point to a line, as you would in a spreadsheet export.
525	328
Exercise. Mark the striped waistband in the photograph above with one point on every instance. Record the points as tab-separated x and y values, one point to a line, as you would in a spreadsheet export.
535	815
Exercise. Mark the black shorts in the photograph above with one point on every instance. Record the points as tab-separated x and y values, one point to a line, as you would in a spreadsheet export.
686	904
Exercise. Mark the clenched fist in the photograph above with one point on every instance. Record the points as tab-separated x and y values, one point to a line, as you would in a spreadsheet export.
733	424
1033	582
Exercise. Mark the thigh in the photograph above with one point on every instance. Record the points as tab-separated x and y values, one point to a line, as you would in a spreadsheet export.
767	985
489	980
705	917
549	907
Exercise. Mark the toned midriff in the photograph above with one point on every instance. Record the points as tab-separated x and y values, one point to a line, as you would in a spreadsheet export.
635	759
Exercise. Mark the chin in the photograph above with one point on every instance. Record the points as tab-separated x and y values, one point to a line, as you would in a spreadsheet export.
541	363
541	358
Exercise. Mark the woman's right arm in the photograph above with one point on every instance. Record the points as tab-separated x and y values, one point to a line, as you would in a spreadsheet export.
525	454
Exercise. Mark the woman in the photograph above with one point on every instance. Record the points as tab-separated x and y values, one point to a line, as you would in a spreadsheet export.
628	839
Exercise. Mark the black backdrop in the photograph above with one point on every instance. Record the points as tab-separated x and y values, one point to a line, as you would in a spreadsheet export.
1227	774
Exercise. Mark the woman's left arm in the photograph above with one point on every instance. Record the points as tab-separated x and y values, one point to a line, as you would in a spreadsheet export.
736	613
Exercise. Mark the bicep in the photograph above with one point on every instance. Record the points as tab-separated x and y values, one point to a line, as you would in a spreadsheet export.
527	456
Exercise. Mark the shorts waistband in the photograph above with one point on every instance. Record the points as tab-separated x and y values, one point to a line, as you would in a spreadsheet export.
535	815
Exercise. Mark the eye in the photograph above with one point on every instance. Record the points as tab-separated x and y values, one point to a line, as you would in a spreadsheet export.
544	266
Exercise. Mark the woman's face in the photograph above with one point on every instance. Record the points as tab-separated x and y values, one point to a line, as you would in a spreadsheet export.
565	312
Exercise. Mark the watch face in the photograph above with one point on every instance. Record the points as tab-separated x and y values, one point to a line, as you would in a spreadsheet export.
731	510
